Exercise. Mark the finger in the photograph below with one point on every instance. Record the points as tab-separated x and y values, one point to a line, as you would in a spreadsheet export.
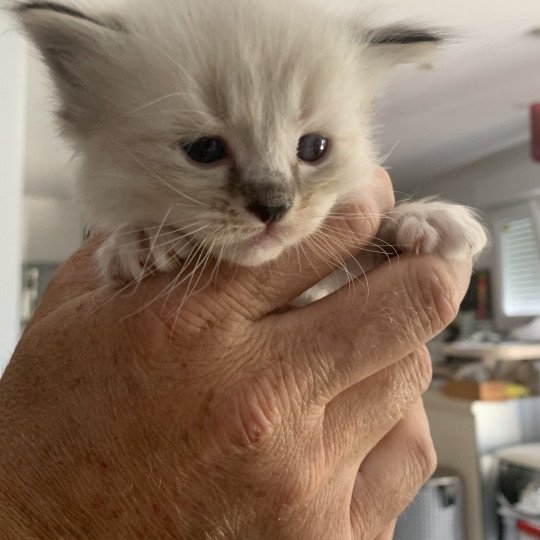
347	231
374	406
77	276
388	533
392	474
347	337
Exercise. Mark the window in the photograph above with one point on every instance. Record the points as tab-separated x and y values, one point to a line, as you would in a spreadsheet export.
517	230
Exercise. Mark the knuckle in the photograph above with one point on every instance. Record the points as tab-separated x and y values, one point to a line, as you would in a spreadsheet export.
246	417
250	427
299	485
410	378
371	219
364	519
322	367
423	459
420	369
432	295
388	195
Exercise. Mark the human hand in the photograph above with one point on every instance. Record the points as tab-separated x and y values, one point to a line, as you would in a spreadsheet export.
233	417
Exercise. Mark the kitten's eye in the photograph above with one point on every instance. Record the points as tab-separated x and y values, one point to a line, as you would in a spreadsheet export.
312	147
205	150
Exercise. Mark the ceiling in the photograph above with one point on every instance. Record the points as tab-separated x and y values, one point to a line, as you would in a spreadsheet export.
470	104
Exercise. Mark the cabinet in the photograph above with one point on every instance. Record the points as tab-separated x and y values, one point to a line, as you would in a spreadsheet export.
465	434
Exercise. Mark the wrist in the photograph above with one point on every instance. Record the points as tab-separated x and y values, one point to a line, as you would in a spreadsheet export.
41	498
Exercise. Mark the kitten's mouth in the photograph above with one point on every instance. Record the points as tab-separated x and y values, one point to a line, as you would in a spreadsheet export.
267	238
259	248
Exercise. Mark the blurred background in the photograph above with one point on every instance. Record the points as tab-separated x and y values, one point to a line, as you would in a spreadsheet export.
462	127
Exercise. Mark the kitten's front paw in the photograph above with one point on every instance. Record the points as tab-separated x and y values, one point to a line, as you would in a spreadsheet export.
435	227
133	253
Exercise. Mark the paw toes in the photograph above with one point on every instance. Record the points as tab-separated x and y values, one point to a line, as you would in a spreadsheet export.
416	235
449	230
129	256
114	273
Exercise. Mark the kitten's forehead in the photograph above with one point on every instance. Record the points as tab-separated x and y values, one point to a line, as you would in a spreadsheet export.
251	62
169	70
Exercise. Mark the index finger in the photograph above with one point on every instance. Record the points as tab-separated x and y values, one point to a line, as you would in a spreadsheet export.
355	333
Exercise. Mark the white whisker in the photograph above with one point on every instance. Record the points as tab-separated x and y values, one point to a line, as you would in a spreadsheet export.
162	180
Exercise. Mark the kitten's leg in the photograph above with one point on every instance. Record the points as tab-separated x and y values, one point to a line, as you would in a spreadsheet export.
434	227
133	253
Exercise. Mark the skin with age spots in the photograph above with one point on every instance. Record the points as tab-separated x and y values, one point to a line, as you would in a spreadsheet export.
235	417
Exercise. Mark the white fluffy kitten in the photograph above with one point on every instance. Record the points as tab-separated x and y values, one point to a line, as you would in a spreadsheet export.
229	127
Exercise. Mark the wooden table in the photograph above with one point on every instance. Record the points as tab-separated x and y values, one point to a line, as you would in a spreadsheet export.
489	353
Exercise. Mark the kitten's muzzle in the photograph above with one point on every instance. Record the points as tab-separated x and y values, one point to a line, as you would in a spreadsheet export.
268	195
270	213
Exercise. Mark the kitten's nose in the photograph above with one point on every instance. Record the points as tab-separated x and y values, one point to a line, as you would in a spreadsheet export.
269	213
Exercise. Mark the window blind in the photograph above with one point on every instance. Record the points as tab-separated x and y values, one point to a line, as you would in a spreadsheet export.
520	267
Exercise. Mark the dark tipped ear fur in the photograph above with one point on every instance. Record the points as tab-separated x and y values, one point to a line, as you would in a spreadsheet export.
21	8
25	7
79	49
404	35
402	44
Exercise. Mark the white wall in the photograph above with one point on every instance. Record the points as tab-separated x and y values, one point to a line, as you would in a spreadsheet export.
12	121
52	230
508	176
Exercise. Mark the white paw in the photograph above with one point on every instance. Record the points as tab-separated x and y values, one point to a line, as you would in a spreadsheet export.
132	253
435	227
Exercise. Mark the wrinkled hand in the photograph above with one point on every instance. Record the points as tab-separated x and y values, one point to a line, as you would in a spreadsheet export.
232	417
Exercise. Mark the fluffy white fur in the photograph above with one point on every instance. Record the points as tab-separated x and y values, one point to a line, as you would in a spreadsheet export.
140	78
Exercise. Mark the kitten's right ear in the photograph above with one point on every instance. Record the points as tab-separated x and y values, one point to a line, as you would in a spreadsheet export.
402	44
77	47
382	48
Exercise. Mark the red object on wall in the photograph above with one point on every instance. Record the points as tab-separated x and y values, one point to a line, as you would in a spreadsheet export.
529	530
535	127
482	291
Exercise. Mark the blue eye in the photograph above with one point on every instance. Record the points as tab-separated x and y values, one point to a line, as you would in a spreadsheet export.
205	150
312	147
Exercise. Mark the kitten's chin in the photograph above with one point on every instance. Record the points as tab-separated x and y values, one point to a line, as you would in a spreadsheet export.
264	246
252	255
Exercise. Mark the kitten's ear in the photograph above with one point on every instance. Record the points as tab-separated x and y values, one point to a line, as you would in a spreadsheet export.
78	48
401	44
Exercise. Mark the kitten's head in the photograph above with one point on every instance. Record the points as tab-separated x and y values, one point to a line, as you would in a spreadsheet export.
239	122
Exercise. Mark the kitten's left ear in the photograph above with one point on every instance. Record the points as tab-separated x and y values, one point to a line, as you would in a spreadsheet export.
401	44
